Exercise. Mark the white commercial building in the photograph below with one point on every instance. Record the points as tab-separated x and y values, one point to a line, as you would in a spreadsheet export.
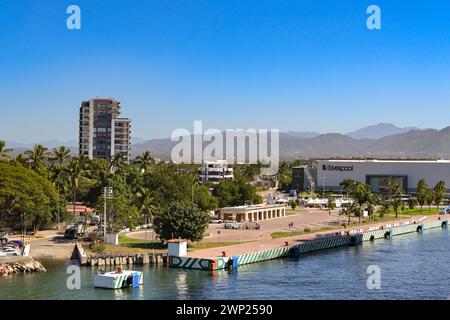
215	171
376	173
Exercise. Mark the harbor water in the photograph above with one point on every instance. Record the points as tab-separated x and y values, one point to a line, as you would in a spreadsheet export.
413	266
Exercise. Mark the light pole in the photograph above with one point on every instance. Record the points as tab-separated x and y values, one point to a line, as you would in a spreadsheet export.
107	194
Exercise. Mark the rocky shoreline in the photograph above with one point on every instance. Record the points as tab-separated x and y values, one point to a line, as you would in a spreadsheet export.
20	265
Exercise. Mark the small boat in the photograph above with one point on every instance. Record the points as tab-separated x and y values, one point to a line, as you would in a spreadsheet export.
118	279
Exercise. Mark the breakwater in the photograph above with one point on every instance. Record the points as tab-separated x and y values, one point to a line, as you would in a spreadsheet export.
19	265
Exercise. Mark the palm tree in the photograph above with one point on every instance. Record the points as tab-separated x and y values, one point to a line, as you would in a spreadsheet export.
361	195
395	192
20	159
117	162
60	155
74	173
372	201
4	151
36	157
58	177
429	198
145	161
439	192
349	185
421	193
145	203
195	184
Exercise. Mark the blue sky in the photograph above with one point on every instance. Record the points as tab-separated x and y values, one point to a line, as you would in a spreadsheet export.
292	65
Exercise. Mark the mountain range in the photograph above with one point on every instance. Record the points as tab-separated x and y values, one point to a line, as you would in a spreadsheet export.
382	140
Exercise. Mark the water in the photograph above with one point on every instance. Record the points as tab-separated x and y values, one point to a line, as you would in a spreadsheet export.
413	266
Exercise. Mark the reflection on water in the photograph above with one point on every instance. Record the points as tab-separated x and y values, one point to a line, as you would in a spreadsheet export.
412	267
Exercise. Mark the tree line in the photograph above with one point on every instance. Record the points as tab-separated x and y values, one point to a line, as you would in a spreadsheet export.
392	199
38	185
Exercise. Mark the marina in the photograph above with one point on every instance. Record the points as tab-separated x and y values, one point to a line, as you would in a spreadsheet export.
405	261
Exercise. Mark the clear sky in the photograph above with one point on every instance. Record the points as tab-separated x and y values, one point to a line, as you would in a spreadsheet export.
293	65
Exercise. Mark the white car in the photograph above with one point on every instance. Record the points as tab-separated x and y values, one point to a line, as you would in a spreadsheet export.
9	250
2	254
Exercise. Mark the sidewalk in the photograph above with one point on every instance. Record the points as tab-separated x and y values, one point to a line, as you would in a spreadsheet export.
276	243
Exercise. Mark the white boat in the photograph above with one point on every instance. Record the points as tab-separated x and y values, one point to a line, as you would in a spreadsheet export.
118	279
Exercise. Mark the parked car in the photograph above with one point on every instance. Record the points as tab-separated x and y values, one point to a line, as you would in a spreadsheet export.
18	242
10	251
218	221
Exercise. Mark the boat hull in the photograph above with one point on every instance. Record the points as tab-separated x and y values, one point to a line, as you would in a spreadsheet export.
114	280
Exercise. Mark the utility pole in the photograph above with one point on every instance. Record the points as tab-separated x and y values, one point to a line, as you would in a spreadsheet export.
107	194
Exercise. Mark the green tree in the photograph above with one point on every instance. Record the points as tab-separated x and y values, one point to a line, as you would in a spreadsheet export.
349	185
422	190
293	204
181	220
74	174
25	195
121	213
429	198
412	203
36	158
204	200
361	195
4	152
145	162
146	204
60	155
331	204
372	202
439	192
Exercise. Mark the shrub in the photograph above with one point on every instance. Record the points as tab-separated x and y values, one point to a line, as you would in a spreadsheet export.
99	247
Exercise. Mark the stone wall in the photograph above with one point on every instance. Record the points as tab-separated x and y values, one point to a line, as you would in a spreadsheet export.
126	259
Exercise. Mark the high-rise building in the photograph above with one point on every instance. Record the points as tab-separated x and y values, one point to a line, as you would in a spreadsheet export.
103	134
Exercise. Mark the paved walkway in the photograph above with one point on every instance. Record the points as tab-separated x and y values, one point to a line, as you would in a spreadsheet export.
306	218
276	243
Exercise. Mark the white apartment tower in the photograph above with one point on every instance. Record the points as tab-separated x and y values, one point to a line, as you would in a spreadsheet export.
103	134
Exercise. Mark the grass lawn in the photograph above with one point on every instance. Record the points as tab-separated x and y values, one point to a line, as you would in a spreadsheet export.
290	212
284	234
129	245
208	245
417	212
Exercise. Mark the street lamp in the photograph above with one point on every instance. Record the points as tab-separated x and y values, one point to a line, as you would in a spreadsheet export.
107	193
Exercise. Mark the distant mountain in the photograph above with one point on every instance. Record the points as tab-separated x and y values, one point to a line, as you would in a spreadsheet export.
137	140
412	144
302	135
379	131
48	144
